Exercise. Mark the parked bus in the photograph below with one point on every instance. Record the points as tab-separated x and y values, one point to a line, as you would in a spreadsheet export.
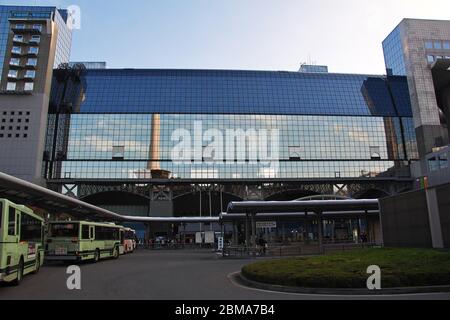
128	240
21	242
83	240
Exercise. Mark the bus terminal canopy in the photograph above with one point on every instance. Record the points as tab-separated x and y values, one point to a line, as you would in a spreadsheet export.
300	207
29	194
32	195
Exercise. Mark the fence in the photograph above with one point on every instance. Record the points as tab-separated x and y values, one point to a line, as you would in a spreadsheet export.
291	250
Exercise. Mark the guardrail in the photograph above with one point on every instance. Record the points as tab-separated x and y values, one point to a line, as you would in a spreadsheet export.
291	250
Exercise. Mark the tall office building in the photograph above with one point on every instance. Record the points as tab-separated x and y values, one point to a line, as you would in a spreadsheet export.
33	41
420	50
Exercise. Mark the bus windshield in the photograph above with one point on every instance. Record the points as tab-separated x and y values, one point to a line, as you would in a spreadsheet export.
129	235
64	230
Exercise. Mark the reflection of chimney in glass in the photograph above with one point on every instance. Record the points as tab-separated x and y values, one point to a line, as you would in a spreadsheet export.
154	165
155	143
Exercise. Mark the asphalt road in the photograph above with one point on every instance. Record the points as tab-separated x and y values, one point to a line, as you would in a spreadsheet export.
158	275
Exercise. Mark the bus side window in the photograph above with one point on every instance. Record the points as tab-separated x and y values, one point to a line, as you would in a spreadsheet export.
12	223
91	233
85	232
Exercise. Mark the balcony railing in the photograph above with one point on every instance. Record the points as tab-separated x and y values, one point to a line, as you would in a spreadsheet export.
27	29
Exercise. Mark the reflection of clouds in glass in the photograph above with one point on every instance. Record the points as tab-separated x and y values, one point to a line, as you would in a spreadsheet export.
103	144
358	134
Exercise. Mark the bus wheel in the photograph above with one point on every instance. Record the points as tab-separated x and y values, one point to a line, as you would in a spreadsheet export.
19	278
116	253
38	264
96	255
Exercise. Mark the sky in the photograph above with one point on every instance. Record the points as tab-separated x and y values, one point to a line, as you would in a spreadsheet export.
346	35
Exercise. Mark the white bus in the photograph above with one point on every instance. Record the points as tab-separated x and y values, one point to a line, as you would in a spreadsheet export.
128	240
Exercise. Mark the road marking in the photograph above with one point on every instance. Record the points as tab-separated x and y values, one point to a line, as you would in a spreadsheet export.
231	275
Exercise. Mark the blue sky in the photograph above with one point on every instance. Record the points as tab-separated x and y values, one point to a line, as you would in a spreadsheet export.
346	35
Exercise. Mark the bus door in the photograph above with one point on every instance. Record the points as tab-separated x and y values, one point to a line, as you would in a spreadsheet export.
12	238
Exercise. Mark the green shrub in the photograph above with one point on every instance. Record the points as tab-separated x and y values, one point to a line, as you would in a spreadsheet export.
399	268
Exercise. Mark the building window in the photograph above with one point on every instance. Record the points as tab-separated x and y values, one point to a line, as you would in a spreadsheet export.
29	86
33	50
11	86
37	27
446	45
20	26
429	44
12	73
35	39
16	50
32	62
14	61
375	153
437	45
443	161
30	74
295	153
118	152
18	38
433	164
430	58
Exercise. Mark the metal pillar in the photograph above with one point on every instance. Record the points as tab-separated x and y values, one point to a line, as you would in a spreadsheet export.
332	231
307	228
235	234
320	229
253	236
247	231
359	231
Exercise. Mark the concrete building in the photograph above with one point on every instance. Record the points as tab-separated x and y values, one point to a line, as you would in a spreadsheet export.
34	40
412	50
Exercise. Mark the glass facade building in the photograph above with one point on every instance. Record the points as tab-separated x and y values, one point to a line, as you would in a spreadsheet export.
328	125
394	53
64	41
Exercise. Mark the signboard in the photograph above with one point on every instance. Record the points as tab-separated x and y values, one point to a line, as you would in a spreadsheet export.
266	225
198	238
31	251
209	237
220	243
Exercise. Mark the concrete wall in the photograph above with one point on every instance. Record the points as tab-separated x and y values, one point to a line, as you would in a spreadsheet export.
417	219
443	195
405	220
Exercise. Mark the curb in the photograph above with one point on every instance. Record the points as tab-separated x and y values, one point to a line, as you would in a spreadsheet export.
240	279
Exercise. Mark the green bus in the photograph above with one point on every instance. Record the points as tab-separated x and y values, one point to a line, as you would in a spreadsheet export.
21	242
83	240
